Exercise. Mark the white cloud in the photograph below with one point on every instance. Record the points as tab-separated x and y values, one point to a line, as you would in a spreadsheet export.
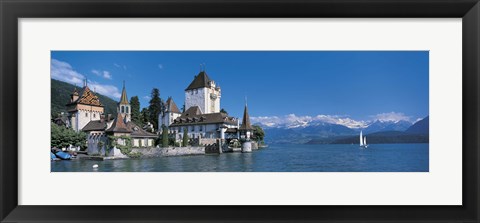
392	117
147	97
160	66
105	74
108	90
63	71
120	66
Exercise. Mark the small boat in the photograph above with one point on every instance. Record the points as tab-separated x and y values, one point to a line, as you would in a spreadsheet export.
52	156
63	155
363	141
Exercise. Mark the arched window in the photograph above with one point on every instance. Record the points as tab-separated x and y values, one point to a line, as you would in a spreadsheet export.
122	109
127	109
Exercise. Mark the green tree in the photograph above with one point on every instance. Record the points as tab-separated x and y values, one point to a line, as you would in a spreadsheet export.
185	137
155	107
145	115
164	136
258	133
224	111
63	137
135	106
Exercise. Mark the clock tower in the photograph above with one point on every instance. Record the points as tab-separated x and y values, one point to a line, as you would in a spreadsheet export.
204	93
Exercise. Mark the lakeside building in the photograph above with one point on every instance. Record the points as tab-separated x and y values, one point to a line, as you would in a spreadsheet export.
98	126
170	113
83	108
202	117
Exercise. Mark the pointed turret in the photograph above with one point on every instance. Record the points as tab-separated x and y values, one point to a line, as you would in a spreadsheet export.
74	96
124	98
123	105
246	120
171	106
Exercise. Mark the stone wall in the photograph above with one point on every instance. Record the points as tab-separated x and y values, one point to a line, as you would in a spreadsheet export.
170	151
207	141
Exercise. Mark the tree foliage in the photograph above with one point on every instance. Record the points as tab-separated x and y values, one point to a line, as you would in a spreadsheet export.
155	107
63	137
135	106
60	95
185	137
145	115
164	136
223	111
126	149
258	133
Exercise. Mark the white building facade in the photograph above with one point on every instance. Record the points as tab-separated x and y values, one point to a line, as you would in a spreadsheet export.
204	93
83	108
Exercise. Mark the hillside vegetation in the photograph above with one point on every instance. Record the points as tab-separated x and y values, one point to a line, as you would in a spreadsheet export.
60	96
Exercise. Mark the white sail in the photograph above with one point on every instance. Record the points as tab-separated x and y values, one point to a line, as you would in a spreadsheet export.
361	139
365	140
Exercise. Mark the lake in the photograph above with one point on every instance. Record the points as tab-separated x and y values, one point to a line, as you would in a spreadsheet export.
275	158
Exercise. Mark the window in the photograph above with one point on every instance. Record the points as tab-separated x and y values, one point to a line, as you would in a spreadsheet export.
86	114
94	115
200	128
122	110
126	109
193	128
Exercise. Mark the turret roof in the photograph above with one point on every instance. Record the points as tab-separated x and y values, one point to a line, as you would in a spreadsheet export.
87	97
124	98
171	106
200	81
246	120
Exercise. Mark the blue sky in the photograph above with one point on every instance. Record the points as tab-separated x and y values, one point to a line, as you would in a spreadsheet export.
357	85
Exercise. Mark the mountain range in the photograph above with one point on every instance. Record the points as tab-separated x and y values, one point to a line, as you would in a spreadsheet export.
320	131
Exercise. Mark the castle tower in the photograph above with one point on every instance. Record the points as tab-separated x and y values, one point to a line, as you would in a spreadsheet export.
204	93
246	128
83	107
123	106
170	113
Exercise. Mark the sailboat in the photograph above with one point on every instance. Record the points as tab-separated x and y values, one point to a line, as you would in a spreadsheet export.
363	141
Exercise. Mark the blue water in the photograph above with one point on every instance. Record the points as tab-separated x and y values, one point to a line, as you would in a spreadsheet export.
275	158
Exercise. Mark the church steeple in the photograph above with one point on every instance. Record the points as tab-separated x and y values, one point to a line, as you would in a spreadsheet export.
124	98
123	106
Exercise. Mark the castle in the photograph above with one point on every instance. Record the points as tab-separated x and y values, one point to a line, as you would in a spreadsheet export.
202	117
86	113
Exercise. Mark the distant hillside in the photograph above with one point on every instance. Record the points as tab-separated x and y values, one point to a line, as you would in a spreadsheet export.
60	96
377	138
384	126
302	135
420	127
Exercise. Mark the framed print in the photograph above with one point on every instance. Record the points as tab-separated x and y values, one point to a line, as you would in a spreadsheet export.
287	111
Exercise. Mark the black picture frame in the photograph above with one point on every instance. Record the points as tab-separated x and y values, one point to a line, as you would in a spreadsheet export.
11	11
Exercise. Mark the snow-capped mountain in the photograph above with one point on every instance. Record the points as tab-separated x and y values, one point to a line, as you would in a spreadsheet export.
294	121
382	126
299	129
